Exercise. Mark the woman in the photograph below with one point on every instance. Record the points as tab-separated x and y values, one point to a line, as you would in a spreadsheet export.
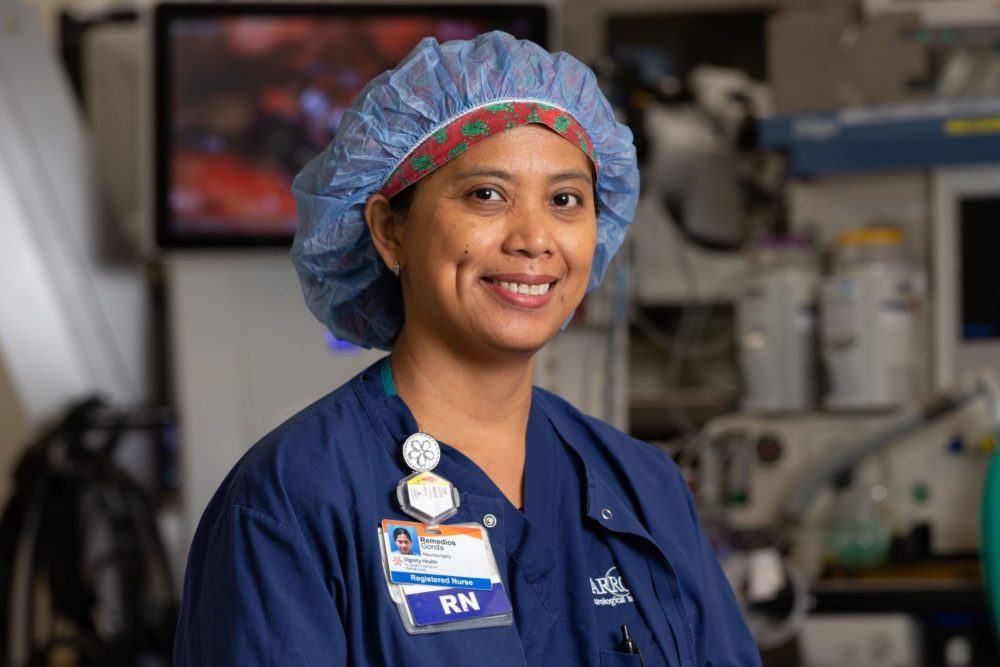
404	543
467	203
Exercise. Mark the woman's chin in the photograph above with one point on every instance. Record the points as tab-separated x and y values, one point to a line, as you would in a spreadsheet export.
523	340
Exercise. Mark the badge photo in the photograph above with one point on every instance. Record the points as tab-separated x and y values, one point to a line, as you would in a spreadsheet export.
402	540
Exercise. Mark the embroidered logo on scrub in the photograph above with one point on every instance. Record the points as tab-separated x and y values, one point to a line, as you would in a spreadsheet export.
610	590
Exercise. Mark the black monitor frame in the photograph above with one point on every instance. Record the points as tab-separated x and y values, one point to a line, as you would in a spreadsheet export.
167	237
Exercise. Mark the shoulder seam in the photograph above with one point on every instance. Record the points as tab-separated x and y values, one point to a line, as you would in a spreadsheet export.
262	515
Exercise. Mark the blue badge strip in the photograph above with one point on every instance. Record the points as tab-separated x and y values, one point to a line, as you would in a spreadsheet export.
457	604
440	580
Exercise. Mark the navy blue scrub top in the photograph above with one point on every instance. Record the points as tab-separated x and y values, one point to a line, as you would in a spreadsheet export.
285	566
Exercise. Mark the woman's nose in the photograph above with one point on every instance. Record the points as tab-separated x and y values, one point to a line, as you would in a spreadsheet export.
529	233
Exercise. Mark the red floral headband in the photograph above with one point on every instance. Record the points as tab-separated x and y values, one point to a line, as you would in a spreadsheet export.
476	125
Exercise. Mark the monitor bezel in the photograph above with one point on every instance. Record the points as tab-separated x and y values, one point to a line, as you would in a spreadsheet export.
166	235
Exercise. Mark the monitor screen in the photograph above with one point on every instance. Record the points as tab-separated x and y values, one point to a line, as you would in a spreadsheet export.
979	239
247	94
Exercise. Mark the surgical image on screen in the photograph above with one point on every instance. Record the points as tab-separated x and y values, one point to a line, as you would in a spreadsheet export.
253	98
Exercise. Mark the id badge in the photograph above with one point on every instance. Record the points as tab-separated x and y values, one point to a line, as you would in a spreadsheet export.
443	578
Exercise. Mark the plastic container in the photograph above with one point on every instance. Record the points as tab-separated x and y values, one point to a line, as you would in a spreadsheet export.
776	324
868	321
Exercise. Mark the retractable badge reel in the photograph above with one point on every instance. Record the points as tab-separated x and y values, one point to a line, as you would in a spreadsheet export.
440	577
425	495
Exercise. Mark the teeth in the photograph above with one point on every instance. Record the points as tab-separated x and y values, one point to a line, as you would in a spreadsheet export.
522	288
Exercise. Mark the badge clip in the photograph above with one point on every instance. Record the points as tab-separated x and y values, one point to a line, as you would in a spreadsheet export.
425	495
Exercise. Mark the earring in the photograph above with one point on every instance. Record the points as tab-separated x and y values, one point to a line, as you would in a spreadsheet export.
395	268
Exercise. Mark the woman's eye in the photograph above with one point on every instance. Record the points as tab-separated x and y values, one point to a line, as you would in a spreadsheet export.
486	194
566	199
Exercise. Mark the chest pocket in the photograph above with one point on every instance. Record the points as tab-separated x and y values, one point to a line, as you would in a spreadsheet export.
616	659
654	586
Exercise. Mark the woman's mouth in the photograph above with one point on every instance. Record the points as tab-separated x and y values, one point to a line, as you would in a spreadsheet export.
524	291
523	288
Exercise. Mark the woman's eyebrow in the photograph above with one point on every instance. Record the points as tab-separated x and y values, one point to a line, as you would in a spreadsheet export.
491	173
571	176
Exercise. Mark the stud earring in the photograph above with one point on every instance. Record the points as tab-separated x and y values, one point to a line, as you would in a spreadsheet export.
395	268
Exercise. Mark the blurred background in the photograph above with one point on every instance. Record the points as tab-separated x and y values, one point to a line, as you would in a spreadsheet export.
806	314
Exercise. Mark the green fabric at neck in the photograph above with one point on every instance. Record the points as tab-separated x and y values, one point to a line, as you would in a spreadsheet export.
388	383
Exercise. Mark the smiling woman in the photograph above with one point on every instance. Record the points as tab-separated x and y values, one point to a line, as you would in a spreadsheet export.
470	199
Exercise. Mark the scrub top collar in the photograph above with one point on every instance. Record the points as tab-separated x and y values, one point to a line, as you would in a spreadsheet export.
377	390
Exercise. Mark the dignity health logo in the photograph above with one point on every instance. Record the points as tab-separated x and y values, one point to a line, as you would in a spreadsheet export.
610	590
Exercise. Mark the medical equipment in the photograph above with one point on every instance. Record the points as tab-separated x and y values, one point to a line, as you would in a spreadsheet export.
702	181
946	215
769	493
704	194
965	205
868	321
933	470
776	326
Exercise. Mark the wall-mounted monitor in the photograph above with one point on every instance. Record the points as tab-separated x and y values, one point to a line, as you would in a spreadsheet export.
979	238
247	94
964	304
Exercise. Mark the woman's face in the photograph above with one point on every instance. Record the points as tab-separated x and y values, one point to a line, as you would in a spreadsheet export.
497	248
403	543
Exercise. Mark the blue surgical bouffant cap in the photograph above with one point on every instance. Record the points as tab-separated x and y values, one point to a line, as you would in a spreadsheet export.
345	282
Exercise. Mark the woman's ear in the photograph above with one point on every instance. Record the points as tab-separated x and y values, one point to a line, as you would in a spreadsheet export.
384	228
